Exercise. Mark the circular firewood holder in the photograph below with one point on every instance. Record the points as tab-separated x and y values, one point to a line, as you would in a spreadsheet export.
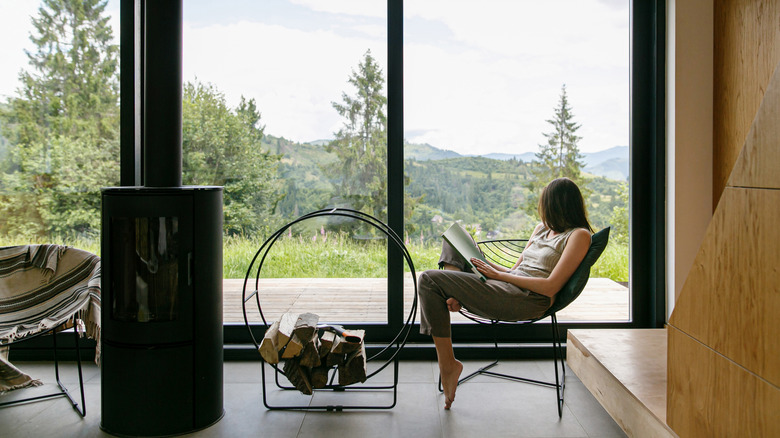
389	352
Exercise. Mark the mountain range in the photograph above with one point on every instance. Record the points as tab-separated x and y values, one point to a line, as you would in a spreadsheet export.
610	163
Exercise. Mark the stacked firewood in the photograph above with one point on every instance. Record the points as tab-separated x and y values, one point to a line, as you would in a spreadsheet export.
311	351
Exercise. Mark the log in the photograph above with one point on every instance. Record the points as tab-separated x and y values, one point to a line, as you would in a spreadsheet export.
298	376
326	343
354	369
306	325
334	359
286	327
293	348
310	355
344	347
269	348
336	347
319	377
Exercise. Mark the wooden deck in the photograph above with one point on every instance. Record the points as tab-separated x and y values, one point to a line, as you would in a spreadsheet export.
365	300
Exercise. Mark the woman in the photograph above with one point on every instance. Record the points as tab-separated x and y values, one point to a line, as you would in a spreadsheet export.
552	254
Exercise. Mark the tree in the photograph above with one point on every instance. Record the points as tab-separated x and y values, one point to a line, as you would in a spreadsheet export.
560	157
222	147
361	144
66	112
619	218
72	88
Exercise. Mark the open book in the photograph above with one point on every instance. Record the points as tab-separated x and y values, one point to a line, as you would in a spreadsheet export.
460	240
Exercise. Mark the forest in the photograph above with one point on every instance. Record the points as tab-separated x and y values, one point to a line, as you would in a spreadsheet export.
486	194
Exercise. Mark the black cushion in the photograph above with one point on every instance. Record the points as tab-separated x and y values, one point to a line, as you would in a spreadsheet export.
576	283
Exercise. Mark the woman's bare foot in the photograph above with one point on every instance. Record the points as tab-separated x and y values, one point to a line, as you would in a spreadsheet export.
449	382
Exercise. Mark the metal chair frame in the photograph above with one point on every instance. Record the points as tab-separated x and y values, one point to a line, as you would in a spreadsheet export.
63	390
558	356
506	252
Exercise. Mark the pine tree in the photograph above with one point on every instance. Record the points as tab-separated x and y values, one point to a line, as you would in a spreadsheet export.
361	144
66	111
560	156
72	88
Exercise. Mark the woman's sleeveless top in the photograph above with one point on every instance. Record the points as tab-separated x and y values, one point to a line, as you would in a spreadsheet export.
542	253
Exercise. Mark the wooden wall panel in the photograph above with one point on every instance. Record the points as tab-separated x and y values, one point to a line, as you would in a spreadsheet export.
747	48
759	161
731	298
711	396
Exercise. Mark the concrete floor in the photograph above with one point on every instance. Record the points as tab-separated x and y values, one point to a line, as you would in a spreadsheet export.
485	407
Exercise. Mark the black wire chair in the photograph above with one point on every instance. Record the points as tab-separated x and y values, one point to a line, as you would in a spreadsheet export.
505	252
62	390
390	351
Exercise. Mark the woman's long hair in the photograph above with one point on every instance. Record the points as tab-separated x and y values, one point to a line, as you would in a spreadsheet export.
561	206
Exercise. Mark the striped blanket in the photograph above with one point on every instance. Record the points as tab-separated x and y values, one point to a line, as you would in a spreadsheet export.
44	287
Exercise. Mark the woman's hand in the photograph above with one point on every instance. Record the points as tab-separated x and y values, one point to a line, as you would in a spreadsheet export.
453	305
486	269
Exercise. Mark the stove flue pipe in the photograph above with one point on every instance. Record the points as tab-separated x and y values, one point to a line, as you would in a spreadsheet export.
162	93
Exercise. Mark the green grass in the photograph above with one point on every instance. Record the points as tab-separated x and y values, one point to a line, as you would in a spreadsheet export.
335	255
87	244
612	264
340	256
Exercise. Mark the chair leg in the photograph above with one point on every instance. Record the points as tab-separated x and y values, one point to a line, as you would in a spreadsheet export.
560	377
83	410
560	382
63	392
63	389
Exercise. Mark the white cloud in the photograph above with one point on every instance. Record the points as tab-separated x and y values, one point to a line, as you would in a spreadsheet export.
490	85
15	29
504	76
294	75
365	8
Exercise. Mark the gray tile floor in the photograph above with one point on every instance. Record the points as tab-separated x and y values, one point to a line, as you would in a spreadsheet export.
485	407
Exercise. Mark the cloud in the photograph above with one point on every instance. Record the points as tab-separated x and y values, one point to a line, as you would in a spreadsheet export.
497	85
347	7
293	74
15	29
488	75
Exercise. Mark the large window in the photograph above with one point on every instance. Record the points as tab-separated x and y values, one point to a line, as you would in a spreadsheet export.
419	113
311	77
497	98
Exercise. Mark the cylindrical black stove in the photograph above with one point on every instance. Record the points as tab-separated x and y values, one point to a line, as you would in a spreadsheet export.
161	371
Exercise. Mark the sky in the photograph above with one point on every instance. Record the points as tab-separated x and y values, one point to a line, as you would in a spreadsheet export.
479	76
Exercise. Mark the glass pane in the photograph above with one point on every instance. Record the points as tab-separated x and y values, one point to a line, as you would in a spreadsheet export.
59	120
489	88
285	105
145	279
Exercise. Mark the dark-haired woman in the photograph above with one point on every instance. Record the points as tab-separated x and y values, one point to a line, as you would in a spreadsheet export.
552	254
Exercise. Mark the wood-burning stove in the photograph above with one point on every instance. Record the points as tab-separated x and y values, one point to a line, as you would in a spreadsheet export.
162	310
